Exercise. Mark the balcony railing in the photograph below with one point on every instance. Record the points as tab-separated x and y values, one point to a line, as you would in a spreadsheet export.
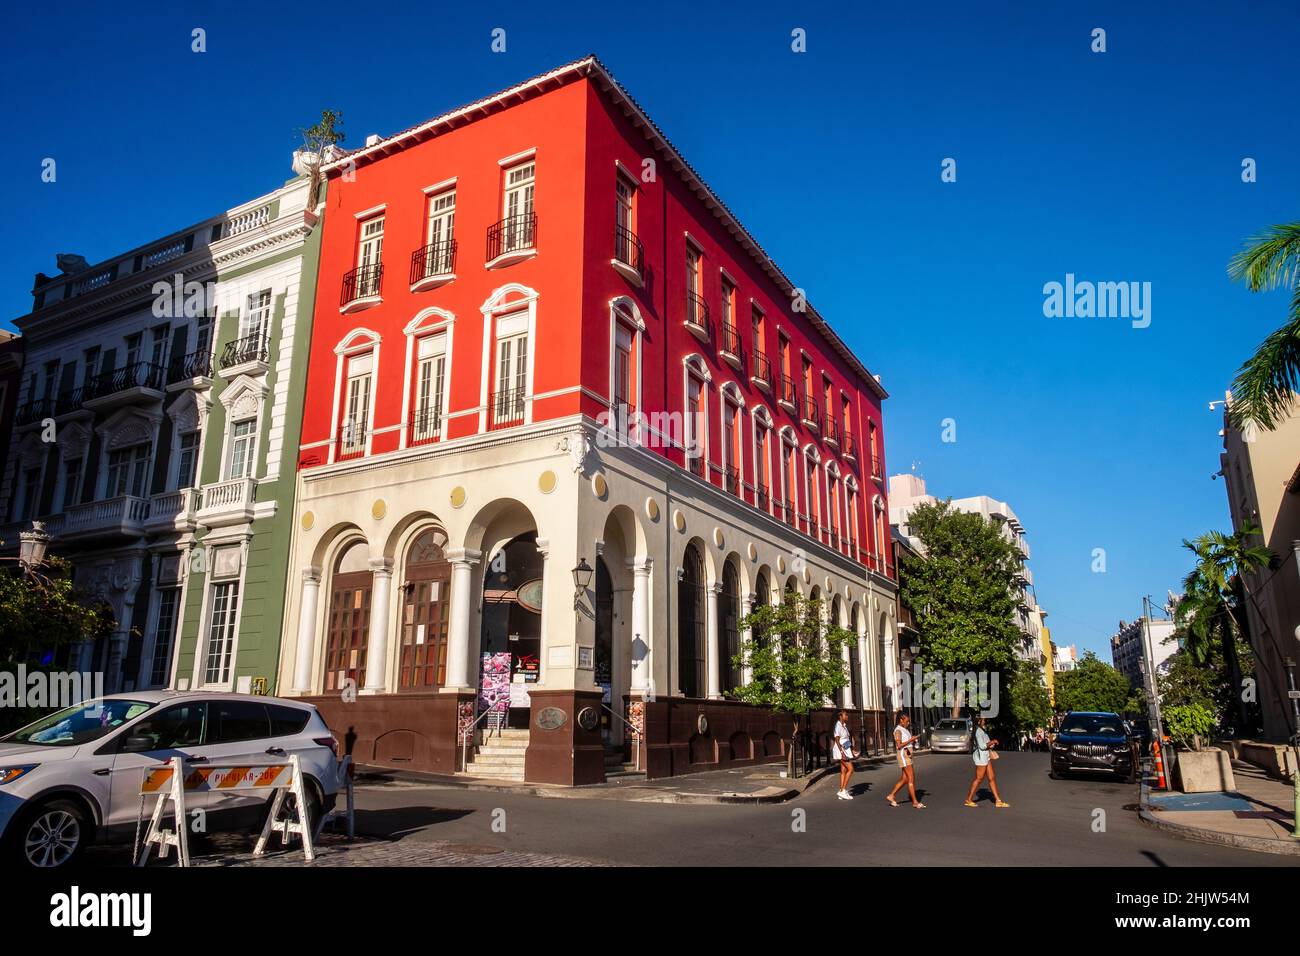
814	528
426	426
38	409
785	391
512	234
731	343
197	364
134	375
849	445
696	464
831	428
506	408
875	465
174	509
628	250
732	475
811	411
228	502
250	348
697	315
762	367
435	259
761	497
125	515
363	282
351	441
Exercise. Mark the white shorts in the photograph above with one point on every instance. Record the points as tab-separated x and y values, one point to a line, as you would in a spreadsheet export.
904	758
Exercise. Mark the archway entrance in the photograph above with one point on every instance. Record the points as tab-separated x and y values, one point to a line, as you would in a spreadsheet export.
511	640
690	624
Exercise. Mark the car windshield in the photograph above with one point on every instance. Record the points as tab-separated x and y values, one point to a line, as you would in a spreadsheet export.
1099	725
951	725
81	724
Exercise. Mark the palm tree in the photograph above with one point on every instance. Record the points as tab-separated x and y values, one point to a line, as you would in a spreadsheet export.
1210	611
1264	390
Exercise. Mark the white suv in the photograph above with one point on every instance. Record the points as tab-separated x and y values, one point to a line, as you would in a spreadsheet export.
73	777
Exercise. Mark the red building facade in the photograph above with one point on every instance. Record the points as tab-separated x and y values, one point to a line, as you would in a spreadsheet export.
540	277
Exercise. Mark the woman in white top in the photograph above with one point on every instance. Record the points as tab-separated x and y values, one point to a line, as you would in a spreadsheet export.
903	743
842	750
983	755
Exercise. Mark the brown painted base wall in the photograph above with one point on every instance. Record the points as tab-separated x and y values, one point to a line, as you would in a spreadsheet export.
734	734
402	731
570	754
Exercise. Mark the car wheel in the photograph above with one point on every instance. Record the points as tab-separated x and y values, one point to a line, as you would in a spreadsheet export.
54	834
1054	775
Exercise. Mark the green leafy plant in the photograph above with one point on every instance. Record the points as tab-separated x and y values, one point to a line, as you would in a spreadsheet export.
794	657
1264	390
1095	685
1187	724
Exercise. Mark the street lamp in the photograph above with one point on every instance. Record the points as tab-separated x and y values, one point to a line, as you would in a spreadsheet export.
32	545
582	574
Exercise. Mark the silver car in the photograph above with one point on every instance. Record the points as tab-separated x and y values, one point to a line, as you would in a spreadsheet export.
954	735
73	777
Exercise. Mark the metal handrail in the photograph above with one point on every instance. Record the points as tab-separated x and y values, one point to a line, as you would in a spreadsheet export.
473	728
636	737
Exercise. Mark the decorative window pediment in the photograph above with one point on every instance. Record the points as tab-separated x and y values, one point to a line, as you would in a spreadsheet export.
130	426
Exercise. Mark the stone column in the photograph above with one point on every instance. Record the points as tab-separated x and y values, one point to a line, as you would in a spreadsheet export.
714	677
641	637
381	570
543	546
462	602
306	630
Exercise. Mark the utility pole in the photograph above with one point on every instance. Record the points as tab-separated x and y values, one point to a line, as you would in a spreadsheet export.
1157	728
1294	695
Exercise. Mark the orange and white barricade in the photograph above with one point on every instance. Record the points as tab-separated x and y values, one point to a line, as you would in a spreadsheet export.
172	782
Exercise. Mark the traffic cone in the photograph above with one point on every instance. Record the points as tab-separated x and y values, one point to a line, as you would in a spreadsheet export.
1160	766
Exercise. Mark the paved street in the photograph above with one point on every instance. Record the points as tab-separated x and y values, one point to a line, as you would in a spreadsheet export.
1049	824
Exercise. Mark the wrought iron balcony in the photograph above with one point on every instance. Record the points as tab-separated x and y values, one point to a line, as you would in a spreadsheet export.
762	368
761	497
136	375
425	427
433	261
731	347
361	284
831	428
351	440
197	364
38	409
506	407
732	476
697	317
629	252
875	465
513	234
811	411
785	391
849	446
250	348
696	464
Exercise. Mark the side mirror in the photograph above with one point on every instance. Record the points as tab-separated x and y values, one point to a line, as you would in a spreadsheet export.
138	743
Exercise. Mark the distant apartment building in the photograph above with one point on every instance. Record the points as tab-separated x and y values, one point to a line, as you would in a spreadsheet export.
1066	659
907	491
155	438
1126	647
1261	471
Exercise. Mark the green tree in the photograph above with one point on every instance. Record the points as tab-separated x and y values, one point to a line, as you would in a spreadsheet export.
962	588
1189	723
1264	390
1211	612
1028	701
795	659
318	142
39	612
1095	685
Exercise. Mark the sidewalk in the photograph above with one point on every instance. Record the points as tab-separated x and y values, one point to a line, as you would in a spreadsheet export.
758	784
1258	815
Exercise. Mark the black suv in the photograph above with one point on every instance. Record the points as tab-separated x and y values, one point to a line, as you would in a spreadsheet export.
1094	742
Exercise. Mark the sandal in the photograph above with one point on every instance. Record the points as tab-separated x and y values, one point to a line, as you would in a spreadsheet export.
892	801
919	806
971	803
1001	805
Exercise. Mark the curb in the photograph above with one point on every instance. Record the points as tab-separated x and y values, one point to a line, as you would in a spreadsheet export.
773	794
1203	835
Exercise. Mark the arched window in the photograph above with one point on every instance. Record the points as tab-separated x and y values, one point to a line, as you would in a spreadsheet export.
425	601
690	624
729	610
349	620
855	659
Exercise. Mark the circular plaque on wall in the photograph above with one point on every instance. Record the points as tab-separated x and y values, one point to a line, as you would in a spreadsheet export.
588	719
551	718
702	724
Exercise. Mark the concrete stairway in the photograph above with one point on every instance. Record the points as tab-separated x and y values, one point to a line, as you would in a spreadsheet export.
500	756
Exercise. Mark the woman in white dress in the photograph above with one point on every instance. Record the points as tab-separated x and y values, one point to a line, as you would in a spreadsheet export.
842	750
903	744
982	752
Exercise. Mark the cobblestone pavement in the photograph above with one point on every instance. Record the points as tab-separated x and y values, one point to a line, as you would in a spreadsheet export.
334	850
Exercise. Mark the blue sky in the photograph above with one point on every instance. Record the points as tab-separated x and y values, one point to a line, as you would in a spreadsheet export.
1120	166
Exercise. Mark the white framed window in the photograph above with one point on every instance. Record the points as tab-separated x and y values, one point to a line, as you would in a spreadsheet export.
696	425
222	614
133	345
511	369
187	459
518	198
355	426
164	635
370	250
440	232
257	316
243	443
430	387
127	471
